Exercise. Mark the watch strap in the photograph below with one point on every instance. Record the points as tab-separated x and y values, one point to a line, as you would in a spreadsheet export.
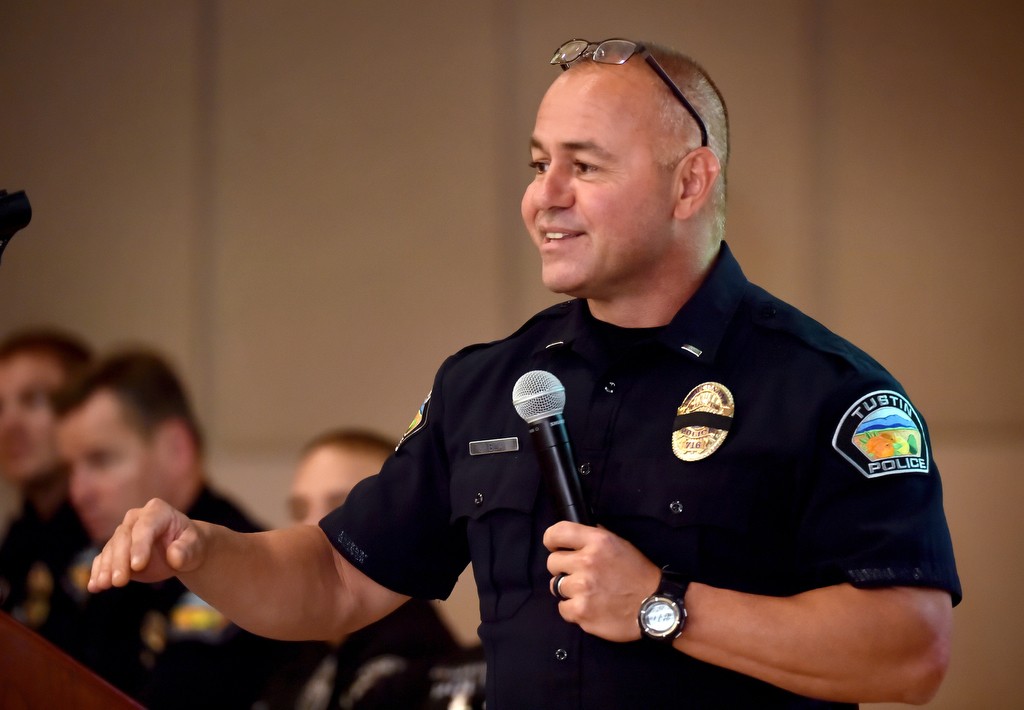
673	585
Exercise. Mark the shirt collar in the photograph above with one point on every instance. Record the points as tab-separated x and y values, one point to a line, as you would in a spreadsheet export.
697	329
699	326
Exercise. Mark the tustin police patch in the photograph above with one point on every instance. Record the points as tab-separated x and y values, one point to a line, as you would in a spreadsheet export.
881	434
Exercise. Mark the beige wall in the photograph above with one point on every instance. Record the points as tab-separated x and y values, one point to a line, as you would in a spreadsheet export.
309	205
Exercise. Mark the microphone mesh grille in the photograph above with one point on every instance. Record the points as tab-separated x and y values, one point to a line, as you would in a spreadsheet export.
538	394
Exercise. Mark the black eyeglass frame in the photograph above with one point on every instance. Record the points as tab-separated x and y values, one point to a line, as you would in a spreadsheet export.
590	49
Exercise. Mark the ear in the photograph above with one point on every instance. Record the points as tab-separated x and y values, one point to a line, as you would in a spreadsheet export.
695	179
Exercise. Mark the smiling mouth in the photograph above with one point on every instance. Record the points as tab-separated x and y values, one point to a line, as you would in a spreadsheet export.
555	236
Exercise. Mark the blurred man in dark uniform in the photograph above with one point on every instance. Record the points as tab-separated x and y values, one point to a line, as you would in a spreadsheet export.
41	542
128	433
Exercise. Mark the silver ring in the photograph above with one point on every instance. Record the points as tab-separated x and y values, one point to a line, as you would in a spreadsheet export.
558	586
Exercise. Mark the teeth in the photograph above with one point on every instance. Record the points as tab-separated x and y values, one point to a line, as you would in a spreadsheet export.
554	235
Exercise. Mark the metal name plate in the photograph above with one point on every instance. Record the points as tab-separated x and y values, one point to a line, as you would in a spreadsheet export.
493	446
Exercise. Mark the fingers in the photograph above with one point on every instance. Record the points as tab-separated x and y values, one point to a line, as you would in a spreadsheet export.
556	586
566	540
568	536
130	550
111	567
599	579
140	536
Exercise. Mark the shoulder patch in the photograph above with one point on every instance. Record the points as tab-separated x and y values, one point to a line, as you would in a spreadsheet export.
881	434
418	422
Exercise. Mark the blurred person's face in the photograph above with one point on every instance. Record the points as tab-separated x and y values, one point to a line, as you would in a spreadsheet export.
113	467
28	446
325	477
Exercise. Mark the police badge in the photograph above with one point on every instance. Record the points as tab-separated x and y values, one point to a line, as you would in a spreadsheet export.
702	421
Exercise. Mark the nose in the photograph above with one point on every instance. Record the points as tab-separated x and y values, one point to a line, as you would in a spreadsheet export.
554	188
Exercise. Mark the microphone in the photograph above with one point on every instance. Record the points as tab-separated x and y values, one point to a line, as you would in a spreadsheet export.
15	213
539	399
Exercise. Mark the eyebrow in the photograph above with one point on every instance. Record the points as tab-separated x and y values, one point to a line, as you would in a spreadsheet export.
575	147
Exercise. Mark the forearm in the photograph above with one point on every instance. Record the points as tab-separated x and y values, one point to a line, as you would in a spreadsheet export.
838	643
285	584
282	583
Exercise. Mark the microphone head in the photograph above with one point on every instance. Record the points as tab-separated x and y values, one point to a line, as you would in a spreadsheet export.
538	394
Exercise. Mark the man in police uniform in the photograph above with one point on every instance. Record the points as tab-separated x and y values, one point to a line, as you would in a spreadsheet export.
771	531
128	434
41	542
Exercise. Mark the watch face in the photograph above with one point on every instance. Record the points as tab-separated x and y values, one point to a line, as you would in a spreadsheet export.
660	616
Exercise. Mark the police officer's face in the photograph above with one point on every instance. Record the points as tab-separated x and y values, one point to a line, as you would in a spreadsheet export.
324	478
600	206
28	445
113	468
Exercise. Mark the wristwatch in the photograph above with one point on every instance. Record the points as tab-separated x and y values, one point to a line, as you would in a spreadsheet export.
663	614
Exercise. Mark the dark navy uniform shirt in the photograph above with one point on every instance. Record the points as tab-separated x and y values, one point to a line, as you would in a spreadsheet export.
384	666
34	556
824	477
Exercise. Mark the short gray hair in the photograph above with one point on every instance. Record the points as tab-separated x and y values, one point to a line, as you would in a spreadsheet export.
707	100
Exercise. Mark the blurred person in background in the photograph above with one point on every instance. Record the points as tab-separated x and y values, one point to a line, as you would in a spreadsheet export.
386	664
42	539
128	433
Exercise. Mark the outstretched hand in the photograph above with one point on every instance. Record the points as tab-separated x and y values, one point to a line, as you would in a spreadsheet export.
606	579
151	544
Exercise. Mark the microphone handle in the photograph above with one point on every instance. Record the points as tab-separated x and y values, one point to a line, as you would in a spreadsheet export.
551	440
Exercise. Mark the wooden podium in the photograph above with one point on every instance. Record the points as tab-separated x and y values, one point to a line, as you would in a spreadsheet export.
36	674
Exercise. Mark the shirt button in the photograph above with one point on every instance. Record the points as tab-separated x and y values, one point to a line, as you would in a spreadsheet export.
609	387
561	654
478	499
584	469
676	507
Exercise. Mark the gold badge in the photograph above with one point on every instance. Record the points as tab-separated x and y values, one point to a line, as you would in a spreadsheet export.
39	589
702	421
76	577
39	580
154	632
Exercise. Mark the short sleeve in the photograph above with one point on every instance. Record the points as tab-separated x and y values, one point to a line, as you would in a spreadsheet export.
396	526
874	515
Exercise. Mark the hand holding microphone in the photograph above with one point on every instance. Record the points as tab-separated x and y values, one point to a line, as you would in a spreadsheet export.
615	568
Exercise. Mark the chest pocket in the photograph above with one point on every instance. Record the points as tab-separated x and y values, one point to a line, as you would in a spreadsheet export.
693	518
496	495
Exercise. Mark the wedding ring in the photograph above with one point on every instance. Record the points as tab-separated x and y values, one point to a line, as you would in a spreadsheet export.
558	586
